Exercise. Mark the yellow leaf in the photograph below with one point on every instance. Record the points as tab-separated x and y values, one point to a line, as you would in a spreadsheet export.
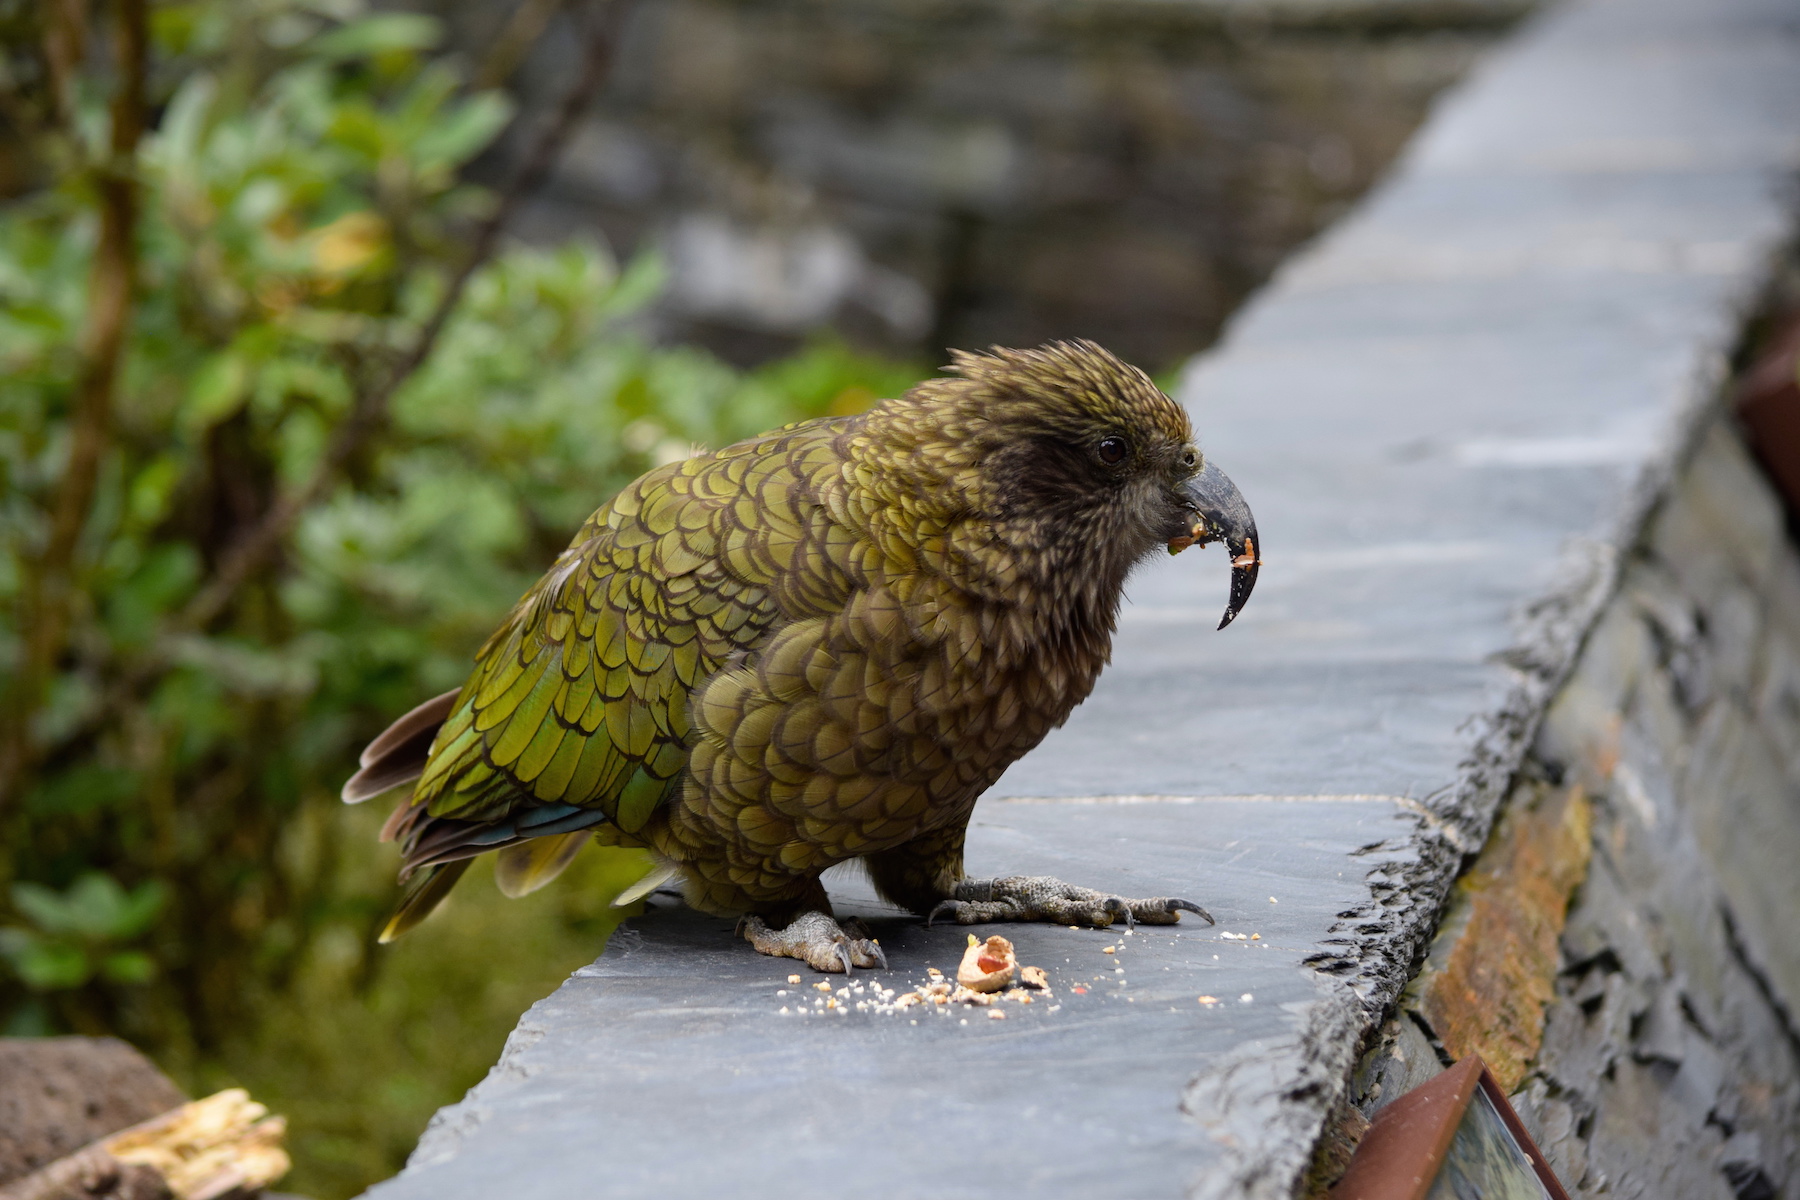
349	244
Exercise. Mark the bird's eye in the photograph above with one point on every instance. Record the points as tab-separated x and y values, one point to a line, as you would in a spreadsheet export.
1190	458
1112	450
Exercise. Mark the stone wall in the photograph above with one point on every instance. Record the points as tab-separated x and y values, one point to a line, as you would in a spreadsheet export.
965	172
1671	1062
1653	1046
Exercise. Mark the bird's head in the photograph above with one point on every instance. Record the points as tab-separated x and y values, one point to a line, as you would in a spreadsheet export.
1079	462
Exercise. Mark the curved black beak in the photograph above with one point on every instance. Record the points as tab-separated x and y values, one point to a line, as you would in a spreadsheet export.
1220	514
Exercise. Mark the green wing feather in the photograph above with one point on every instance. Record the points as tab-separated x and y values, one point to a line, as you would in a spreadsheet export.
582	697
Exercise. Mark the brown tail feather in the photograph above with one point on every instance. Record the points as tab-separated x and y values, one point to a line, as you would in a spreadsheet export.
398	755
400	821
423	893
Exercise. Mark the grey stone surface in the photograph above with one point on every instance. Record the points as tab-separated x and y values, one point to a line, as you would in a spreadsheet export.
1079	1091
1452	416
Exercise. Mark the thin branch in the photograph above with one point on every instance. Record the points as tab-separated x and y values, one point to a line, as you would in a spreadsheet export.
368	412
48	595
516	39
65	44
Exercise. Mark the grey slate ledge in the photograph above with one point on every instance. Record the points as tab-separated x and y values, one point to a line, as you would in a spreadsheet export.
1451	415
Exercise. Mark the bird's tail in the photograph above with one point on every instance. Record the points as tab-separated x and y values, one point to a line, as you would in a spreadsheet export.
398	756
423	892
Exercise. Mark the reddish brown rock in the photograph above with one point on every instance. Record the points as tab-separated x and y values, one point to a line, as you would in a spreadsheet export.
59	1094
1492	969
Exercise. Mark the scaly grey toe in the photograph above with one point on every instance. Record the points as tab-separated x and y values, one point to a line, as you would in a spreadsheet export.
1044	898
817	940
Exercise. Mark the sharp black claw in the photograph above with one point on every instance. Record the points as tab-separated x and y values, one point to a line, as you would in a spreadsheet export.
943	907
843	952
880	957
1190	906
737	931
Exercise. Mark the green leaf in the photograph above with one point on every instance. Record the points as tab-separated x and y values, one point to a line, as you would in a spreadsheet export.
387	33
219	389
95	908
359	128
83	789
142	906
128	966
642	281
99	907
52	966
463	132
44	908
137	604
152	488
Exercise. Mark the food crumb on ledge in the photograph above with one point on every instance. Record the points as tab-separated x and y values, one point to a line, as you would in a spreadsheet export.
987	966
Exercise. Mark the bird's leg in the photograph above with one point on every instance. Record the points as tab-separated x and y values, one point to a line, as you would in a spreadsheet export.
1043	898
816	938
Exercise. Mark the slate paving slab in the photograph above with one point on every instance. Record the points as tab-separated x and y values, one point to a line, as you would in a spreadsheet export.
678	1026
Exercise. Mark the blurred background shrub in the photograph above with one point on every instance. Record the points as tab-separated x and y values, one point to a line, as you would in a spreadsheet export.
231	549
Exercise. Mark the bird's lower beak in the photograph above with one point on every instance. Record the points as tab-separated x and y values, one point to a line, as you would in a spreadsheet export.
1218	513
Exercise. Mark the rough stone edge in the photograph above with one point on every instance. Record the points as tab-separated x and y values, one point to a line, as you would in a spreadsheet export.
454	1124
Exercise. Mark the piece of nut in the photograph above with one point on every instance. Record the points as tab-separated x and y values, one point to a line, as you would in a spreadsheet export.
1034	977
988	966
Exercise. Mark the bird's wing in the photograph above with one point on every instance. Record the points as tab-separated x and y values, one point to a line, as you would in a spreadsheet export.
578	709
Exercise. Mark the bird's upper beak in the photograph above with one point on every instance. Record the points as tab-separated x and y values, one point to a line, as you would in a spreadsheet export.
1218	513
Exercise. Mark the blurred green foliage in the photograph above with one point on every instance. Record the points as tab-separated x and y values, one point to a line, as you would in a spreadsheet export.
74	936
174	865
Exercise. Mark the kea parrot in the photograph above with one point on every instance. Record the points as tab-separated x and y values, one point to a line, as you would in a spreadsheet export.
818	645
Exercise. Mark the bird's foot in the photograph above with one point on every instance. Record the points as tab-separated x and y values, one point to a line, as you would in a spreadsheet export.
820	941
1043	898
